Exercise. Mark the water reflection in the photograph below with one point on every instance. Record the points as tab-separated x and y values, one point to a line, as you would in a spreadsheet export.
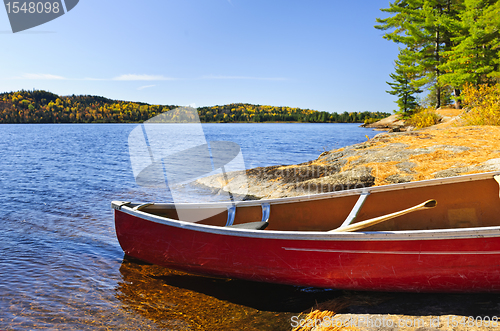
181	301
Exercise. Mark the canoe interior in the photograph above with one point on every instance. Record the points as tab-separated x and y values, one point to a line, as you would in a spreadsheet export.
464	204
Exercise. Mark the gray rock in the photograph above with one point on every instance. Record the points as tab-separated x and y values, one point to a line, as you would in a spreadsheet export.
397	178
491	165
406	167
448	148
451	172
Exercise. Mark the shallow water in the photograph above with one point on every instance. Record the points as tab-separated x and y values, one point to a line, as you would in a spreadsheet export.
61	266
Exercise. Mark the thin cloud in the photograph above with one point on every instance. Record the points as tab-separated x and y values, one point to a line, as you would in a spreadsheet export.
42	76
96	79
134	77
131	77
146	86
245	78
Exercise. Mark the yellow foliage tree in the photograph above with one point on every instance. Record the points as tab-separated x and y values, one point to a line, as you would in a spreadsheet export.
482	104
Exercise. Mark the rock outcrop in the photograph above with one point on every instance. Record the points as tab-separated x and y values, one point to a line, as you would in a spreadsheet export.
387	158
393	123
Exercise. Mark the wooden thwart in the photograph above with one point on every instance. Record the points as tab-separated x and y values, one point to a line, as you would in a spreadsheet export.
361	225
497	178
354	212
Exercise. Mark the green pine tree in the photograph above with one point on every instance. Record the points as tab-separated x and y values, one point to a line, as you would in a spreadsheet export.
418	25
402	86
475	56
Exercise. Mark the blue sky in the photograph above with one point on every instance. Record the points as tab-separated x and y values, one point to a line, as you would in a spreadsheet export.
323	55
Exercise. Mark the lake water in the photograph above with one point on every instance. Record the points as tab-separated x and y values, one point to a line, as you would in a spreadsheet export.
61	266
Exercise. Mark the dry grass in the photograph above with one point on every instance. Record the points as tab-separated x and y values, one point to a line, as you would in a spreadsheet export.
382	170
484	144
450	112
349	160
326	311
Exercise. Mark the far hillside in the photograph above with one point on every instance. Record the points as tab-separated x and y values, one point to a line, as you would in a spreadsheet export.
39	106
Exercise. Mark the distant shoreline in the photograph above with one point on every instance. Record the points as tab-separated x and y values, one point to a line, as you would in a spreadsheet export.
40	106
360	123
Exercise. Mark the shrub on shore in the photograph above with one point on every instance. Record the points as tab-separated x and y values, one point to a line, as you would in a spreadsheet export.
371	120
423	118
483	103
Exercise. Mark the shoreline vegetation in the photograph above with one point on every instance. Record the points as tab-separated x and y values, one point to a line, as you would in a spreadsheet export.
39	106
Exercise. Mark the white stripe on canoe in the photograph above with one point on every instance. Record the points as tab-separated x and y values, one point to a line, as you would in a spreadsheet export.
388	252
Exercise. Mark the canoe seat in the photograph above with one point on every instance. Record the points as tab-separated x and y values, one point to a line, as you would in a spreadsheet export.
266	211
251	226
231	211
497	178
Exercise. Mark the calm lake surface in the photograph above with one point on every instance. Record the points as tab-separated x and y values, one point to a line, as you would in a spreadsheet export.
61	266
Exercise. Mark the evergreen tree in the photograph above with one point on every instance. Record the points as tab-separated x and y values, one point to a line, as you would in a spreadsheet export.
475	57
403	88
418	24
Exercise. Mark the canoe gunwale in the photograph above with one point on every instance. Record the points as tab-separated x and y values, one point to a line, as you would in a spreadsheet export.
434	234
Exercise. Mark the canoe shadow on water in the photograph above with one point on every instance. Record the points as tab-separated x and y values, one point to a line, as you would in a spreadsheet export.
256	295
164	294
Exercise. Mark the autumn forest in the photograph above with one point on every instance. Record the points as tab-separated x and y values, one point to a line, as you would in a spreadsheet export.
44	107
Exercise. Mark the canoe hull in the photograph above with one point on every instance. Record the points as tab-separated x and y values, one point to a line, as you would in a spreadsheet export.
421	261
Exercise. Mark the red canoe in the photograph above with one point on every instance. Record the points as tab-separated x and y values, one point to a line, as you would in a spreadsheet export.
454	247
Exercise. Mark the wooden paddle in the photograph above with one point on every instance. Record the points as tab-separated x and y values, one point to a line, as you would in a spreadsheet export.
364	224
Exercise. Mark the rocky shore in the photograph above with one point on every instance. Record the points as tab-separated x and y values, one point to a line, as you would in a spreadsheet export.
388	158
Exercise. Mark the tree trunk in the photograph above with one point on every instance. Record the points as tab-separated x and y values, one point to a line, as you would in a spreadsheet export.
438	89
437	50
457	101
